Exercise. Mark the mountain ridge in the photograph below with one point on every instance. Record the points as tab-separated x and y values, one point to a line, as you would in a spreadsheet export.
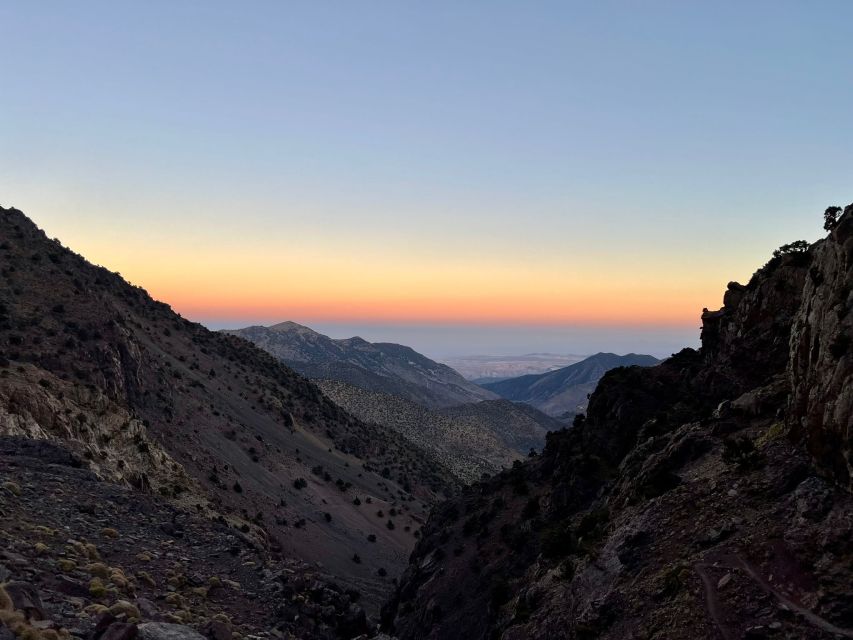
381	366
565	390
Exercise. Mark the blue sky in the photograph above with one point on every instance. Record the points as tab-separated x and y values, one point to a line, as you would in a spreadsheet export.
212	150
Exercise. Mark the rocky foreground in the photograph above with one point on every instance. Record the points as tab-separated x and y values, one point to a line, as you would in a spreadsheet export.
86	558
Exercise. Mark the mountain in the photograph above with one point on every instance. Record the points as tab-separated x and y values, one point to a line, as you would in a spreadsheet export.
485	369
383	367
706	497
470	440
166	417
565	390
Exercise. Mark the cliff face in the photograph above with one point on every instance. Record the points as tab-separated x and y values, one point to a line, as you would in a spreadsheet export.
704	497
821	367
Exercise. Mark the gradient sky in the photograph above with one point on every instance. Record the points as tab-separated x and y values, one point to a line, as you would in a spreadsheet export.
592	172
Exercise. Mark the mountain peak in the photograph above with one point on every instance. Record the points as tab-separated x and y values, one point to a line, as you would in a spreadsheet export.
382	367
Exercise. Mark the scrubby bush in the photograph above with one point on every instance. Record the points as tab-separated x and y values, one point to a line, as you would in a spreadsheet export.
741	452
798	246
839	345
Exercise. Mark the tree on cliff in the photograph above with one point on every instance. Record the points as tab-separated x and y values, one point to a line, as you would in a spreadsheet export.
830	217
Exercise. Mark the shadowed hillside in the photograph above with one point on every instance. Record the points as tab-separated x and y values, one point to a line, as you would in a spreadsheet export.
204	420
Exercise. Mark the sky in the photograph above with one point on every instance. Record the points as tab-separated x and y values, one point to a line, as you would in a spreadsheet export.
469	177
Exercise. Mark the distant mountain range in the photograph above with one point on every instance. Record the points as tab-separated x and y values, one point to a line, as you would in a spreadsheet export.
565	391
381	367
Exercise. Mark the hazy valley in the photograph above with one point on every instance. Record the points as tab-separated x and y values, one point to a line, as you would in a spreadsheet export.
485	369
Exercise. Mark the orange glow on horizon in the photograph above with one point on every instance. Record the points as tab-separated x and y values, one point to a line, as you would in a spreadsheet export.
340	283
514	308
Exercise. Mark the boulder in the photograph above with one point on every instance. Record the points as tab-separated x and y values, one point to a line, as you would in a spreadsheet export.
120	631
168	631
25	597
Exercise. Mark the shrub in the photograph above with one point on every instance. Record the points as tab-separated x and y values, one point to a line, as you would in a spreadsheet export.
300	483
500	593
558	541
531	509
741	452
11	487
798	246
839	345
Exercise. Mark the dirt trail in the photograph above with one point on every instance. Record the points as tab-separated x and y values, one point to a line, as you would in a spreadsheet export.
713	605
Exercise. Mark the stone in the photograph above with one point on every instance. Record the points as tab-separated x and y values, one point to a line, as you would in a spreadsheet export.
168	631
218	630
70	587
147	609
723	410
25	597
120	631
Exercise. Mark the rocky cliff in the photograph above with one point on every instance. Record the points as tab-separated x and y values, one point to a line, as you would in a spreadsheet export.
705	497
821	366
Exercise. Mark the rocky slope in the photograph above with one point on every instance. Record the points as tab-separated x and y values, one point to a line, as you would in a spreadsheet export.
565	390
207	421
519	426
705	497
383	367
83	557
470	440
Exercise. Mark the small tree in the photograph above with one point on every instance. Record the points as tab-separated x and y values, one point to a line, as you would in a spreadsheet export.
830	217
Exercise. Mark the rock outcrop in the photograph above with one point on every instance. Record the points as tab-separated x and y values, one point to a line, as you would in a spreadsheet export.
705	497
821	369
